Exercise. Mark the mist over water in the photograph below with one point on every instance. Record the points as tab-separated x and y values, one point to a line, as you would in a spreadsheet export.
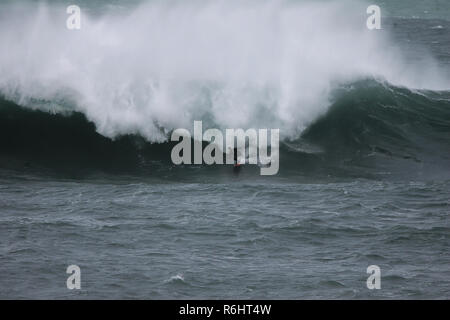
162	65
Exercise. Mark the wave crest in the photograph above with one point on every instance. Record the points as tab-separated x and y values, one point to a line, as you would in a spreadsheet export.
161	66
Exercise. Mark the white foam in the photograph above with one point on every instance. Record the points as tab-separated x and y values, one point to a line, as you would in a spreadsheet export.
261	64
176	278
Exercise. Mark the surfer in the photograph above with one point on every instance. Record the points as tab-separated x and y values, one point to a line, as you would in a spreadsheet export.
235	157
237	166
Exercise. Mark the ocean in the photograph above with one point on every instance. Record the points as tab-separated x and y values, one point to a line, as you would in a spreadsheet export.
87	179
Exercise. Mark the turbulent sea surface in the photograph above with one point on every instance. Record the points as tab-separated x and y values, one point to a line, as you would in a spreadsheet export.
86	176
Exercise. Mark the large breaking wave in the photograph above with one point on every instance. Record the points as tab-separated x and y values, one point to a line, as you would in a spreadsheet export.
162	65
103	95
371	130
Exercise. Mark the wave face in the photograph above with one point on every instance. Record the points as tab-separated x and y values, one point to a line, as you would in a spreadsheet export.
371	130
232	64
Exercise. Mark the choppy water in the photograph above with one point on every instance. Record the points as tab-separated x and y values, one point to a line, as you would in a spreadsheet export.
236	240
364	159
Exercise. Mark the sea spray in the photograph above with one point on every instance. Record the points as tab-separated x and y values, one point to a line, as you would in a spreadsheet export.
231	64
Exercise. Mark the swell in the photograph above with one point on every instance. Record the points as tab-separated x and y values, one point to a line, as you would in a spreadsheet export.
370	129
373	127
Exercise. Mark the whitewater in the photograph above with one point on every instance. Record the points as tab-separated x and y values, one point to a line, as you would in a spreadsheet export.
161	65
